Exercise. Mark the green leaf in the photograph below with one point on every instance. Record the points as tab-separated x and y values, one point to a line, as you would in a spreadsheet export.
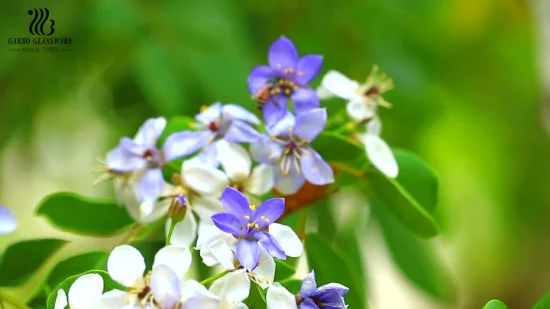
283	270
497	304
292	285
109	284
22	259
76	265
176	124
415	258
411	197
543	303
82	215
262	292
335	147
331	265
256	298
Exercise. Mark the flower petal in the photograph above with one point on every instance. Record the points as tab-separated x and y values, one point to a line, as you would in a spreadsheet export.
235	202
209	155
280	298
220	250
307	68
235	161
289	183
259	77
282	54
206	206
359	110
269	211
304	99
150	131
264	273
235	112
274	109
203	178
331	288
374	126
339	84
232	288
323	93
7	221
248	253
310	124
315	169
178	258
227	223
271	245
60	300
125	265
166	286
208	232
241	132
210	114
115	299
267	151
308	304
122	161
287	239
203	303
191	288
260	180
182	144
284	127
185	231
380	155
151	185
309	285
86	291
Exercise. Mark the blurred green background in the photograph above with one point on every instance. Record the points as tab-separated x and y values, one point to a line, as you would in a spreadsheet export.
468	99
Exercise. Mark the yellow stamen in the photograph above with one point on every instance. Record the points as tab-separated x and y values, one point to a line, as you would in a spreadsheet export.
256	226
250	225
300	73
287	91
252	207
203	108
279	65
247	217
266	219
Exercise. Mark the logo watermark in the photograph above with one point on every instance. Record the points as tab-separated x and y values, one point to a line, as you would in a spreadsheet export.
42	27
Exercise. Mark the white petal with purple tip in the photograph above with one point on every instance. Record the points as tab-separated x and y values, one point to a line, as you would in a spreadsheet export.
166	286
236	112
210	114
310	124
315	169
235	160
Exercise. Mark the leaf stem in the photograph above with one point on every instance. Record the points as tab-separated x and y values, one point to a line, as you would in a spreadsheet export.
172	227
348	169
12	301
218	276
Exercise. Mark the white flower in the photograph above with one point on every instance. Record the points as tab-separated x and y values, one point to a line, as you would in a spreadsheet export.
202	186
362	103
84	293
127	266
280	298
228	292
378	151
362	98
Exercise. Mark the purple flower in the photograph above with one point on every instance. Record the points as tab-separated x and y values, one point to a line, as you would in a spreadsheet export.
7	221
229	122
286	77
249	225
142	152
328	296
288	147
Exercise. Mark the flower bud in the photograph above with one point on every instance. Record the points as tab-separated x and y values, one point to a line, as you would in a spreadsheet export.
178	209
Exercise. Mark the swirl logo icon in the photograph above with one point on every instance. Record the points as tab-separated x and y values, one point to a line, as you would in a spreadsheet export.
39	22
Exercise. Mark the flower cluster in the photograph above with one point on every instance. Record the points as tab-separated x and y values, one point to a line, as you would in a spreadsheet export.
213	203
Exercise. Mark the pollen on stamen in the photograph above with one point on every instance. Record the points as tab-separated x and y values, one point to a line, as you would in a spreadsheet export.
278	65
203	108
247	217
256	226
300	73
252	207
